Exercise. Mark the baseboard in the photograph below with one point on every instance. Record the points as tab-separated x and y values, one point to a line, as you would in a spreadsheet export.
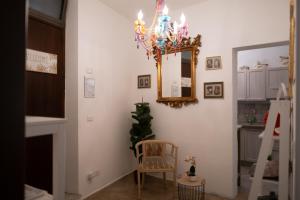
108	184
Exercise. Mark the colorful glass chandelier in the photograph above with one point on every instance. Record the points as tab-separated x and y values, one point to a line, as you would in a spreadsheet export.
163	34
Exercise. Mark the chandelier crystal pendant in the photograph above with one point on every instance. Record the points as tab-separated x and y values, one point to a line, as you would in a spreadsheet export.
162	34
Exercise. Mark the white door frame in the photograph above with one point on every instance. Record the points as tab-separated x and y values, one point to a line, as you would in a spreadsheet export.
235	99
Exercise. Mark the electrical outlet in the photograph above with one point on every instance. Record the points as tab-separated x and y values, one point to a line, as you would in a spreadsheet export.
91	175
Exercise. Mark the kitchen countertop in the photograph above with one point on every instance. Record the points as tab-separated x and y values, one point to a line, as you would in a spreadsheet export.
248	125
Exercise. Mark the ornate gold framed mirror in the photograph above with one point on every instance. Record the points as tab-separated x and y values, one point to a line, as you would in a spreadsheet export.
176	73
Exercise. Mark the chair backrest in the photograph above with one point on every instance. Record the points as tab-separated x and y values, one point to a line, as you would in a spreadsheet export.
155	148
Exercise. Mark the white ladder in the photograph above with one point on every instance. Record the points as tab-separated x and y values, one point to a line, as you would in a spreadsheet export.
282	107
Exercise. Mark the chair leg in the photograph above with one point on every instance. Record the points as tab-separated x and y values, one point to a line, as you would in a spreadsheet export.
174	179
164	175
143	179
175	186
139	185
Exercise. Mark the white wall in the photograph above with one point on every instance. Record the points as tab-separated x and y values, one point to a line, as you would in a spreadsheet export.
270	56
207	130
104	46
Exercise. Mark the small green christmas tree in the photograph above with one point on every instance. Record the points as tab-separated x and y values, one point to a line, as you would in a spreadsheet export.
141	126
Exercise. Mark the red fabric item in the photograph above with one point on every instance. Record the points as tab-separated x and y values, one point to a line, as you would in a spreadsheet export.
277	124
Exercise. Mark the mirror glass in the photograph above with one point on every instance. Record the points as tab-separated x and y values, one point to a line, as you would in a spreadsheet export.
176	74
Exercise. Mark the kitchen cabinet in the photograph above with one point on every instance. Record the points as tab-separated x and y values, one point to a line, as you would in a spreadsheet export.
250	144
276	76
256	84
252	84
242	79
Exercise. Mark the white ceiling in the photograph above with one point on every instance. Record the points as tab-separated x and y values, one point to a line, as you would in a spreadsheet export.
130	8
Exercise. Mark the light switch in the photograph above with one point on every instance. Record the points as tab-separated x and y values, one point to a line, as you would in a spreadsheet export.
90	118
89	70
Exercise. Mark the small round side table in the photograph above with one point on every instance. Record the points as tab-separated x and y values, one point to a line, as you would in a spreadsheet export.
191	190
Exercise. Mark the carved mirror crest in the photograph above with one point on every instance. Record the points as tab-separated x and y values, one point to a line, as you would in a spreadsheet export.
176	73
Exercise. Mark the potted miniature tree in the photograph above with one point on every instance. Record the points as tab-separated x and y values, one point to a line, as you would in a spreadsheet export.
141	126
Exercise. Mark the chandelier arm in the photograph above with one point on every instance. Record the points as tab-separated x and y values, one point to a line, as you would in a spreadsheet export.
146	46
150	30
170	38
157	11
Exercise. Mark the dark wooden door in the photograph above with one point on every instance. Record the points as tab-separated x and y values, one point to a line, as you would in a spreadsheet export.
13	28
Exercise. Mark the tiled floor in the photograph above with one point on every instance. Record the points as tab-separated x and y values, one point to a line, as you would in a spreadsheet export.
245	180
154	189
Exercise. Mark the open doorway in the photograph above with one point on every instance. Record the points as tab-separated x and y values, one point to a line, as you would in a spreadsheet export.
258	71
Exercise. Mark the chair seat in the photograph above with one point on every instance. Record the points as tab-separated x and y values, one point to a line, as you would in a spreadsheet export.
154	164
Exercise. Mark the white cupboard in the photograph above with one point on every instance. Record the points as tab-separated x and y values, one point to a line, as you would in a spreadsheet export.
252	84
257	84
276	76
250	144
241	87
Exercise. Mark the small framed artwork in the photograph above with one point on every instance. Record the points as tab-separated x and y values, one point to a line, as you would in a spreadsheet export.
144	81
214	90
213	63
89	87
38	61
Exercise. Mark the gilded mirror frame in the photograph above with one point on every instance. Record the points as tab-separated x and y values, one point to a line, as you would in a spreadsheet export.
292	48
187	44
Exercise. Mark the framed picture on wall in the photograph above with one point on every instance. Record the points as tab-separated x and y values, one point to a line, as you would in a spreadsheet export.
89	87
214	90
38	61
144	81
213	63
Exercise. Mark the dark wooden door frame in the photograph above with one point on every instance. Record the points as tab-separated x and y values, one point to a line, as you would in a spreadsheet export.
297	106
45	96
13	32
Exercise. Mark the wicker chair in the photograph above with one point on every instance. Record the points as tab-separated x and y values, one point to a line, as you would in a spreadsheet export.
156	156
